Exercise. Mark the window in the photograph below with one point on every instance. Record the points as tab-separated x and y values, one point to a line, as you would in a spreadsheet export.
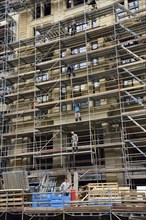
133	5
81	65
97	103
95	61
63	92
36	33
131	101
40	115
84	105
76	66
94	24
42	99
8	89
77	2
127	60
37	11
130	82
79	50
120	13
63	53
68	3
64	108
1	94
94	45
42	78
96	86
9	56
82	27
63	69
130	43
76	91
47	9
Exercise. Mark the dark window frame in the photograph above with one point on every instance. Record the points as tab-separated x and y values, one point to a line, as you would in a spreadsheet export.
78	50
38	11
133	5
68	3
47	9
78	2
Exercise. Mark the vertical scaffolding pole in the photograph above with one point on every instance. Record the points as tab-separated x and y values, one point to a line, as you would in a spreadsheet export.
34	97
60	77
89	110
124	156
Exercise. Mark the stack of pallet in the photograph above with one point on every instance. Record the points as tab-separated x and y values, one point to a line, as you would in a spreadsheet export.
12	198
103	193
132	197
109	194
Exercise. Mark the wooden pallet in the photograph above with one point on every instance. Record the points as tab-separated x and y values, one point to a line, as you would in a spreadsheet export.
104	191
13	198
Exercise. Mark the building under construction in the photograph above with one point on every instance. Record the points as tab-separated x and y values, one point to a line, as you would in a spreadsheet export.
106	53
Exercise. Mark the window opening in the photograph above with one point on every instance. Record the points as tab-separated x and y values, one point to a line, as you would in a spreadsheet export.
94	23
127	60
84	104
94	45
133	5
47	9
68	3
119	13
95	61
64	108
131	101
77	2
63	53
97	103
63	92
37	12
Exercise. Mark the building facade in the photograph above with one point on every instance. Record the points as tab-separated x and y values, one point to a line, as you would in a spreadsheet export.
38	95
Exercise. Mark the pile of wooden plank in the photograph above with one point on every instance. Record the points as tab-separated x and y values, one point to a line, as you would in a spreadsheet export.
110	193
104	192
12	198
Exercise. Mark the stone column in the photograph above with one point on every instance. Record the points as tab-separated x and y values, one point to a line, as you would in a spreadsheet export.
114	153
59	141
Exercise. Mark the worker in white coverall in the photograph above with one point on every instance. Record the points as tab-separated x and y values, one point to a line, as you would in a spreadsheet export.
74	141
64	188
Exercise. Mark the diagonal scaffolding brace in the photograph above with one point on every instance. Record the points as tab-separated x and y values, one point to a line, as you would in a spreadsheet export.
130	31
135	99
137	148
137	124
133	54
49	141
131	74
125	9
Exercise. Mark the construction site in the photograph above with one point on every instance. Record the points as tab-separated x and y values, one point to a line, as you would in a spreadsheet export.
73	105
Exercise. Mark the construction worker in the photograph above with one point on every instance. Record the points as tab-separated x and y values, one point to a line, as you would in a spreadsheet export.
74	141
70	70
64	188
76	107
93	4
73	28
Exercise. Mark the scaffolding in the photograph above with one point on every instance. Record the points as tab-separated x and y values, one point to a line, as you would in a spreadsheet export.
37	96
